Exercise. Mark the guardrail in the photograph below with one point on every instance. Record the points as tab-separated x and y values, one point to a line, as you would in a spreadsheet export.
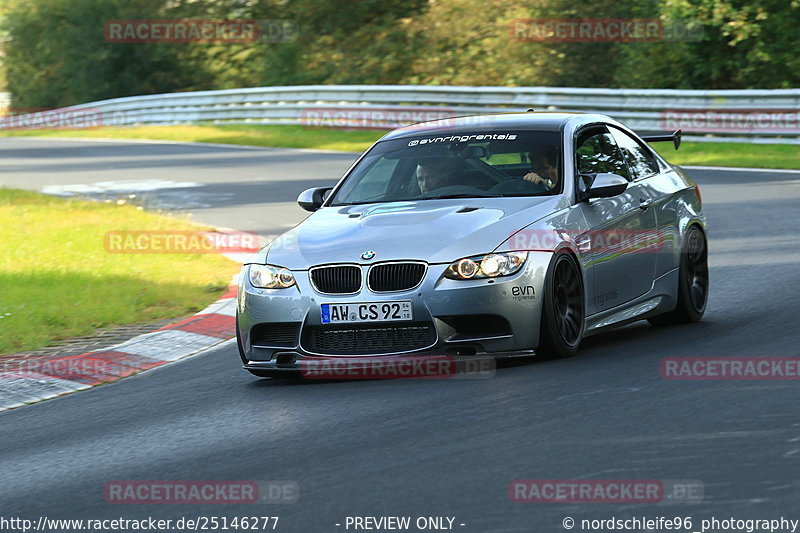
769	116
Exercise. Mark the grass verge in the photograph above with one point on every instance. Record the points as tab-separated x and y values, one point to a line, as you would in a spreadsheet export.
710	154
57	281
278	136
732	155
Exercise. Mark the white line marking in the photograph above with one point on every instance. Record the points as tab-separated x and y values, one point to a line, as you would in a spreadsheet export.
225	306
743	169
118	186
166	345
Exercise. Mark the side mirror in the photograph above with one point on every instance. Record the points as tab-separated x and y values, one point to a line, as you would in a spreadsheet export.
605	185
312	199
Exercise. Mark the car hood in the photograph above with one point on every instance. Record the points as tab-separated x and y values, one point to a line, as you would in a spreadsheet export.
436	231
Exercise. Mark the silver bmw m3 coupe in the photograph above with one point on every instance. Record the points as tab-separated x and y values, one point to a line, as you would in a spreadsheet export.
498	235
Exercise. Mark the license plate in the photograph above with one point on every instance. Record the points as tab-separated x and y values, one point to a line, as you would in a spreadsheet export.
366	312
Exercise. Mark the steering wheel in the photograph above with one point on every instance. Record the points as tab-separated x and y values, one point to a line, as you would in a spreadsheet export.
517	185
454	189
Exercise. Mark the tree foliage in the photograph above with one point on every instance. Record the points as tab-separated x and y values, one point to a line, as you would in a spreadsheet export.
745	44
56	54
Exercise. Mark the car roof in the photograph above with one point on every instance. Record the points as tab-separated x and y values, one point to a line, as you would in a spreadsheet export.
524	121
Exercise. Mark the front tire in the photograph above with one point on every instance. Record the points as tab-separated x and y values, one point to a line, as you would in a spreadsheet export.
563	308
692	282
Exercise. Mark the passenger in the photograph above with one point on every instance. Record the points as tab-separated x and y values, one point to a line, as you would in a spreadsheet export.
436	173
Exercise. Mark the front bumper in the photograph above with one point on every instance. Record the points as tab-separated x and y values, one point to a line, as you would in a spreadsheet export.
498	317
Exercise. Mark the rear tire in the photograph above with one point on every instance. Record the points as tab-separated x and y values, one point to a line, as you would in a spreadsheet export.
563	308
692	282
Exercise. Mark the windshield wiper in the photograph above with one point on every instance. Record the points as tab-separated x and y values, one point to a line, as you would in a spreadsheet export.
441	197
460	195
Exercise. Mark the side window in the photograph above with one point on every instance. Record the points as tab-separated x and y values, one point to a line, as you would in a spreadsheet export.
640	160
598	152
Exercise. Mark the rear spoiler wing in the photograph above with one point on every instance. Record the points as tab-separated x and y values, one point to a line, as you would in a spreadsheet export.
675	137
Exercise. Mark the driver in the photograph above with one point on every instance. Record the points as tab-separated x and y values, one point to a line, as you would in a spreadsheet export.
544	166
436	173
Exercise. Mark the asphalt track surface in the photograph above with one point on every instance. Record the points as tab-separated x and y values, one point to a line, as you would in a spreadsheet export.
428	447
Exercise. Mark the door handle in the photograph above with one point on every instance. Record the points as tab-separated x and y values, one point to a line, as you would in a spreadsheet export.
644	203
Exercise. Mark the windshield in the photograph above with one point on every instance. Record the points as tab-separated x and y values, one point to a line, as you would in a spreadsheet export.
468	165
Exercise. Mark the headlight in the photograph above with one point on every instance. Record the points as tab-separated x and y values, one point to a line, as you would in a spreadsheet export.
270	277
487	266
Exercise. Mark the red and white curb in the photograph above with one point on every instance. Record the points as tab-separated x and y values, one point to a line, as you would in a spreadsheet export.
25	380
